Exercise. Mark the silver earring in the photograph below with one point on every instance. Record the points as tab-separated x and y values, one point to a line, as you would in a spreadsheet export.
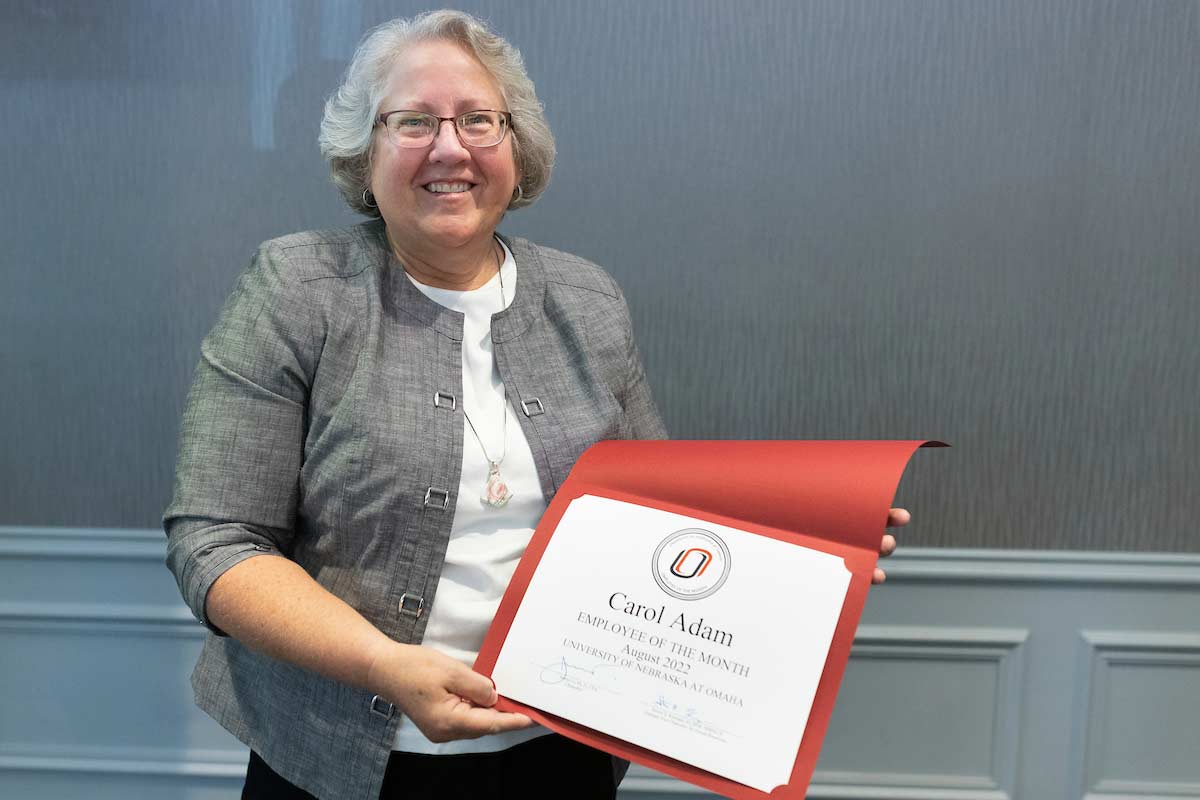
370	203
518	196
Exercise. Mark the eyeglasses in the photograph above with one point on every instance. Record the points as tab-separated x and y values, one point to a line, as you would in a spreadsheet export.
481	128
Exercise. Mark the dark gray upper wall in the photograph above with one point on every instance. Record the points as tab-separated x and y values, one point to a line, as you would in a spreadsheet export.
977	221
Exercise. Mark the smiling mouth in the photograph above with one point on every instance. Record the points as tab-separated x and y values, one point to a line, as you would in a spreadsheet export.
447	188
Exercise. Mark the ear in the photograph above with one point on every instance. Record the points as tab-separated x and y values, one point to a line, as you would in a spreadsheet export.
517	187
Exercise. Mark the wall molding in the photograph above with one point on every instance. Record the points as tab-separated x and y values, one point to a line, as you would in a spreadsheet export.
107	543
1142	790
136	761
100	619
971	574
1055	567
1101	650
909	563
1003	647
952	641
1162	647
52	613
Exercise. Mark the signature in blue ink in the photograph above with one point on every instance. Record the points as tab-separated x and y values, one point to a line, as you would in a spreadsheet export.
687	712
560	670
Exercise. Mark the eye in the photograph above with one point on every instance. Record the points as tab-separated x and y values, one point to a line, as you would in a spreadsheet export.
477	120
410	124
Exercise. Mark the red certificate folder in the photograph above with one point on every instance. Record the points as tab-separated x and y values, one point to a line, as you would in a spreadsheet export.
831	496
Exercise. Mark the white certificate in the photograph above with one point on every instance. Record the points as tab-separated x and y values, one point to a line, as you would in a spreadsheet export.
698	641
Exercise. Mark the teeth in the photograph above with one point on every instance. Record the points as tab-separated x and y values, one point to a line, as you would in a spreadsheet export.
442	188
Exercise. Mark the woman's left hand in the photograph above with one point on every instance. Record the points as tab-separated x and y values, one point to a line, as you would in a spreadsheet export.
897	518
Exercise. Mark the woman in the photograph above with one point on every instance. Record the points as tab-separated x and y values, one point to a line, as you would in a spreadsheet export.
379	417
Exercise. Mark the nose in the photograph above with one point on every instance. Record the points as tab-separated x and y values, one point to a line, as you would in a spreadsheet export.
447	147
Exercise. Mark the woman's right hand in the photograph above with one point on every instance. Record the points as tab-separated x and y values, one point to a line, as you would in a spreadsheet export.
444	698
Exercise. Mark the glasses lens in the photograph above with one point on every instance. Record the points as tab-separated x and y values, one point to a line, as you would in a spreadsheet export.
481	128
411	128
475	128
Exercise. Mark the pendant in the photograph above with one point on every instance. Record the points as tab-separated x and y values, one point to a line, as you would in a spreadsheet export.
496	493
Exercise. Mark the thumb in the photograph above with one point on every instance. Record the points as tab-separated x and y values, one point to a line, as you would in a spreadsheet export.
470	685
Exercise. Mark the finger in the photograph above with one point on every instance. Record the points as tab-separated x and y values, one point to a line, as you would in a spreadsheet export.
473	721
879	576
898	518
461	720
505	721
470	685
887	545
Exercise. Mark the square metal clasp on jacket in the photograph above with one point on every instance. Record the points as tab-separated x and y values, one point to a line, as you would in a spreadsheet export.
381	707
411	604
438	498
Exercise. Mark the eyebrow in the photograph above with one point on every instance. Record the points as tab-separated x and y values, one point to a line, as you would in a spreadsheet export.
466	105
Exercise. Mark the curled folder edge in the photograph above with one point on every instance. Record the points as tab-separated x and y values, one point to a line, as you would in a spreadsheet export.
832	496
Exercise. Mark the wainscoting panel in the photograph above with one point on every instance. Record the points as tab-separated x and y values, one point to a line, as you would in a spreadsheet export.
96	651
976	675
970	674
1142	690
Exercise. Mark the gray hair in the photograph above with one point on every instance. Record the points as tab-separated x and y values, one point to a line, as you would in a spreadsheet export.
349	120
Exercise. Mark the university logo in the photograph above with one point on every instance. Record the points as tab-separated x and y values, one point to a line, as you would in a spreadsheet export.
691	564
699	559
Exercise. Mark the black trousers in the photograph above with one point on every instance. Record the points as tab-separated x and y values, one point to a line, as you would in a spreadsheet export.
548	766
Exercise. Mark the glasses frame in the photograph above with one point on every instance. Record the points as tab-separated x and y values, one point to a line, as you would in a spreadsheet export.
505	116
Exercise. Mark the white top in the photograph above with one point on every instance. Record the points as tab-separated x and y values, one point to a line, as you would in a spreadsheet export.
485	542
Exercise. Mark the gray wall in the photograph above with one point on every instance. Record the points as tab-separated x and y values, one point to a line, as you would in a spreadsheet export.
976	221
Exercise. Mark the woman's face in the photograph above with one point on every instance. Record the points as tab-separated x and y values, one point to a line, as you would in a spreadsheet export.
443	79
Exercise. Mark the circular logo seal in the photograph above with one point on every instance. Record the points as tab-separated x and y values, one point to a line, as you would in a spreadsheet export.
691	564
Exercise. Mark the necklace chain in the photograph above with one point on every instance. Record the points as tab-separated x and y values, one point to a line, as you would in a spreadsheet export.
496	493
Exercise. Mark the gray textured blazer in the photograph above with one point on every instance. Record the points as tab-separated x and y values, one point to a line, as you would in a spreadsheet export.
323	425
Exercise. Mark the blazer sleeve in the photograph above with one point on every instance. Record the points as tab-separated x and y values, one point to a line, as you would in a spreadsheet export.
242	437
641	413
